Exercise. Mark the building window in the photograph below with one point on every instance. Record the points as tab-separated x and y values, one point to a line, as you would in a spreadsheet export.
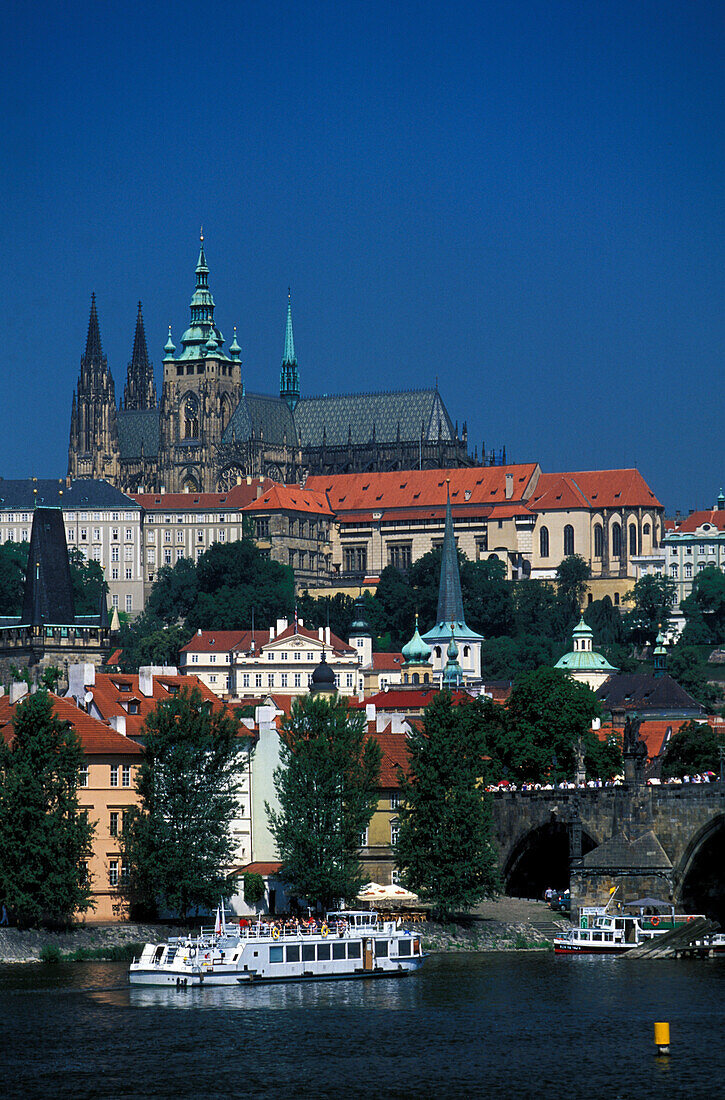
400	555
688	572
261	527
113	828
126	775
151	555
129	603
96	534
96	553
83	871
395	800
349	680
114	775
83	776
544	542
394	832
364	838
616	599
270	679
283	680
115	556
114	597
298	679
355	559
674	571
258	679
179	553
113	872
632	540
568	540
212	679
84	534
114	534
124	872
129	573
129	534
199	536
180	537
245	679
191	417
167	556
598	541
616	540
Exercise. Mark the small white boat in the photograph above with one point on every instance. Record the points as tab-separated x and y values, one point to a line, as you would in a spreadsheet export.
347	944
602	931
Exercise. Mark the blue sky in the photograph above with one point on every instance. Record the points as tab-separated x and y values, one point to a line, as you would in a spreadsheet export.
523	200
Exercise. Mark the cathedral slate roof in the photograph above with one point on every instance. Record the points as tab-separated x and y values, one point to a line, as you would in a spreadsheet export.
54	493
137	427
265	415
343	417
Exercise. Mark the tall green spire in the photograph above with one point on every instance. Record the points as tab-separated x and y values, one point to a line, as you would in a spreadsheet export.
450	601
289	376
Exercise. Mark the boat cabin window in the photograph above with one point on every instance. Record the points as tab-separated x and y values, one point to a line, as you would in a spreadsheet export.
308	952
381	949
171	955
323	952
354	950
159	952
293	953
404	947
275	954
338	950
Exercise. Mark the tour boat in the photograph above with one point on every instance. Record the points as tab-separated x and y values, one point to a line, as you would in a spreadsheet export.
604	932
347	944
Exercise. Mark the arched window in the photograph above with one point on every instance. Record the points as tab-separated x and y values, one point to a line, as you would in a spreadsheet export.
674	571
616	540
616	599
544	542
226	410
590	597
632	540
598	541
416	678
191	417
645	529
466	651
568	540
438	652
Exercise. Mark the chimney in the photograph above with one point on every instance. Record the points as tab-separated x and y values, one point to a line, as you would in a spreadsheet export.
370	712
271	633
118	723
321	633
509	486
327	635
18	691
249	480
198	632
281	625
397	723
146	679
259	491
80	677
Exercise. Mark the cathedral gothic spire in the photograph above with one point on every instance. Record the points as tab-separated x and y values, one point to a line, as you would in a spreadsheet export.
140	389
289	377
93	449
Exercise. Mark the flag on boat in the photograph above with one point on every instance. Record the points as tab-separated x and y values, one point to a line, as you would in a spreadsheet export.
218	924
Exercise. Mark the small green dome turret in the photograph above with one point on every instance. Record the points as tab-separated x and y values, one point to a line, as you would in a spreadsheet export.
234	348
416	651
169	346
359	627
452	673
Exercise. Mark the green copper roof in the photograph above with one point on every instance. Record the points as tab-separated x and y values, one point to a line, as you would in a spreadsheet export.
359	628
416	652
289	339
452	673
584	660
582	629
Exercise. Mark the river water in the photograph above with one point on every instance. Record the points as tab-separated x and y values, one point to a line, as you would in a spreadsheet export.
478	1025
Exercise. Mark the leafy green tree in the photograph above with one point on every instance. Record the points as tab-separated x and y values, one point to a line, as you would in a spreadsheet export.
706	604
396	600
547	714
88	583
327	791
652	597
487	597
506	658
541	610
338	610
235	578
44	835
13	564
178	843
694	749
254	888
606	623
686	666
148	641
572	578
445	849
174	592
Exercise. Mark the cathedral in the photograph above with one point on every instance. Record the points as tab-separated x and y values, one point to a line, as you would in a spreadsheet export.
207	432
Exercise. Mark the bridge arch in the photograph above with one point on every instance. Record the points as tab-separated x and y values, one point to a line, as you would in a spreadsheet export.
701	872
541	859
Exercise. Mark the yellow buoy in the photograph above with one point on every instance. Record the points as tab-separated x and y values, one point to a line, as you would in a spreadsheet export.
662	1038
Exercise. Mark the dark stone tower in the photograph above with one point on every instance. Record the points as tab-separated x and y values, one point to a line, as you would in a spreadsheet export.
93	450
289	375
140	389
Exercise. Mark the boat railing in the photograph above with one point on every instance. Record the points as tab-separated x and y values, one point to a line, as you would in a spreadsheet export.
283	930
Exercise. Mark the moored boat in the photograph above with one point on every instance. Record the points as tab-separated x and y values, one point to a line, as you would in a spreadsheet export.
347	944
603	931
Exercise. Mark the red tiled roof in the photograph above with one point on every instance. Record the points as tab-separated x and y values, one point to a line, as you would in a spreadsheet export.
96	737
393	755
715	517
655	733
259	868
291	498
397	699
108	698
387	662
217	641
114	657
234	499
416	489
592	489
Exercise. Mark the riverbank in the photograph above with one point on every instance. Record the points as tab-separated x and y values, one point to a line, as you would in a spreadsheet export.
505	924
108	941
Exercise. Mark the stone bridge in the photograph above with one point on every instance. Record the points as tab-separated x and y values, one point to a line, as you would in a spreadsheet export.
650	841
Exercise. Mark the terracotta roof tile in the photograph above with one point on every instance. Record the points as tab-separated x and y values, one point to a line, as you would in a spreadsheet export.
291	498
108	696
383	662
592	489
715	517
234	499
96	737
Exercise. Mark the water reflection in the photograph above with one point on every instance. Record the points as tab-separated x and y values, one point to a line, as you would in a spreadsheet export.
379	993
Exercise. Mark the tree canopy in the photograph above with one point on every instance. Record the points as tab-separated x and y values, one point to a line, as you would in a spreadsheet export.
13	563
45	838
444	849
178	843
704	608
694	749
652	596
326	787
